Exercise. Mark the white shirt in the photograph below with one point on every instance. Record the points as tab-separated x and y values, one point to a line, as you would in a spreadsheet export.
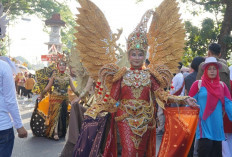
8	102
177	83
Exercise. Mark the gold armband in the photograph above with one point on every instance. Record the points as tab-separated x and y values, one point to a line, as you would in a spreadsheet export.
99	107
163	97
177	99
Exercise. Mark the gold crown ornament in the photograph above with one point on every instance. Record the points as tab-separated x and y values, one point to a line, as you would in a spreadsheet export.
137	40
60	58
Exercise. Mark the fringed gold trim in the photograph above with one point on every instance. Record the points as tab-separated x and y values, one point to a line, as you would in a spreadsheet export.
119	74
161	74
106	75
158	77
177	99
99	107
161	97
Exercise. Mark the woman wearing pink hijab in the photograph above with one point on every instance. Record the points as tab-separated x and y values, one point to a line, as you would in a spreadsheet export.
213	97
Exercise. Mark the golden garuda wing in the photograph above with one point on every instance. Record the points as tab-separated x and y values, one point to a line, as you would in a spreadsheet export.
166	36
94	38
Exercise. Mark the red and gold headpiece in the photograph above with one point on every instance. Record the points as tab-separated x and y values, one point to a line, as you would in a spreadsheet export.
138	38
59	58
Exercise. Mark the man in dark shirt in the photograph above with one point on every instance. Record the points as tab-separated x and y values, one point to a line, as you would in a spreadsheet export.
192	77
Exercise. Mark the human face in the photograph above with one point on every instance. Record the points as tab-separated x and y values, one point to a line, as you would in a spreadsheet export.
212	71
62	67
136	58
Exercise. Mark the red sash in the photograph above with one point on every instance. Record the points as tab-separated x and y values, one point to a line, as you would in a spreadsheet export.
178	92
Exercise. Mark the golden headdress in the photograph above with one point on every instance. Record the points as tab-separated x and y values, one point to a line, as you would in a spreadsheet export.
60	58
138	38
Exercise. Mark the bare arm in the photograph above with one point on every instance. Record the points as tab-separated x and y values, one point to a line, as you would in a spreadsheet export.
49	85
87	87
84	91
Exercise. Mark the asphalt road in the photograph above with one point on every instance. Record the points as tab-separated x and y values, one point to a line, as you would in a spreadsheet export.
34	146
38	146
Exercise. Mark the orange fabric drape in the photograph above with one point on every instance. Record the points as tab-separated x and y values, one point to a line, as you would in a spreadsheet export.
180	128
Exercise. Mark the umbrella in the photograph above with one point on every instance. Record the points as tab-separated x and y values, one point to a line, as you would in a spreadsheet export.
22	68
32	72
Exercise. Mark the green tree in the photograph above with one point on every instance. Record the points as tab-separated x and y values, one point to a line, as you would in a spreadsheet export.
218	31
198	39
44	9
223	11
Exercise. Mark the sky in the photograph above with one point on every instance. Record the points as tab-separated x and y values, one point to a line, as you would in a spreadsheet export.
28	38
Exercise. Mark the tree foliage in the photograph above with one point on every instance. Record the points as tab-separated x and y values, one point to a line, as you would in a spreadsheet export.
222	33
44	9
218	30
198	39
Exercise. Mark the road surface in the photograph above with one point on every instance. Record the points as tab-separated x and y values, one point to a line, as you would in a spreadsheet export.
38	146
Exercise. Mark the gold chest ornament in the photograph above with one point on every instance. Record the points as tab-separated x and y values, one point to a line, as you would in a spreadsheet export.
137	80
61	83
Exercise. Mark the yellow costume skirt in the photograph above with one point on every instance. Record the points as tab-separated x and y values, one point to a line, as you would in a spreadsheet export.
55	111
44	106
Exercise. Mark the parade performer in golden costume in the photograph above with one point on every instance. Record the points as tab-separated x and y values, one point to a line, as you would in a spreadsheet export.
54	116
133	90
